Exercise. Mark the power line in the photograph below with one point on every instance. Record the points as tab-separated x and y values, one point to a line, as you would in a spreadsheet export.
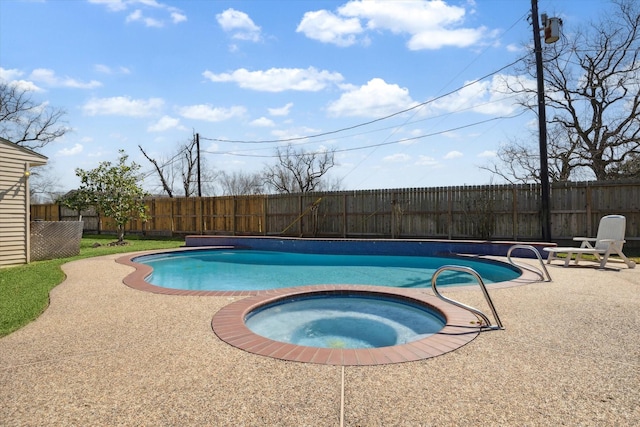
422	104
364	147
448	113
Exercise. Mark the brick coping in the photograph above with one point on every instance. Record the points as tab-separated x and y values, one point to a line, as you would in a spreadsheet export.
461	328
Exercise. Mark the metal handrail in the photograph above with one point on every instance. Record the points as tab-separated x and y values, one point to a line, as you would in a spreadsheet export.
479	313
528	267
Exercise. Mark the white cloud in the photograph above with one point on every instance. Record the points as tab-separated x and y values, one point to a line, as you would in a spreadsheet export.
278	79
327	27
453	155
282	111
514	48
144	7
426	161
76	149
294	133
165	123
486	97
49	78
439	38
98	154
137	15
26	85
487	153
122	106
213	147
239	25
211	114
429	24
105	69
397	158
9	75
453	135
375	99
262	122
101	68
112	5
177	17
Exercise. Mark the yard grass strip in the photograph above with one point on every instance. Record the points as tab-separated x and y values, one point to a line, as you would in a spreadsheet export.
24	289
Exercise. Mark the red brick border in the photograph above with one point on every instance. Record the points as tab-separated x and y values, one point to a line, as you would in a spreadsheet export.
461	328
136	280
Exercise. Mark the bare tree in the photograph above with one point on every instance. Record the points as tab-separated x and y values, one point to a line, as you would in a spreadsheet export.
241	183
592	91
44	184
183	164
160	171
189	168
630	169
297	171
26	122
519	161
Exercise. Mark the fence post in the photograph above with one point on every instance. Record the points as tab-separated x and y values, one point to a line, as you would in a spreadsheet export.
265	204
393	214
234	206
514	206
202	226
450	213
588	209
344	215
301	222
173	216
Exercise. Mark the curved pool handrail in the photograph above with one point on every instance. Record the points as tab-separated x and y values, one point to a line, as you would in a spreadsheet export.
475	311
529	267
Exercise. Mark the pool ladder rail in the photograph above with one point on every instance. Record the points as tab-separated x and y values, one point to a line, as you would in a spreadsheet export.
543	273
486	323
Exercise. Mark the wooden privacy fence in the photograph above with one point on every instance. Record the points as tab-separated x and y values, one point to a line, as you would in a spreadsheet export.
495	212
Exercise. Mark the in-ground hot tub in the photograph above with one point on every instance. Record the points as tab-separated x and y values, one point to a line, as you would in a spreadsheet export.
345	320
327	339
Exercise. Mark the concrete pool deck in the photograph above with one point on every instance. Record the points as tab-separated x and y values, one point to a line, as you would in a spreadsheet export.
106	354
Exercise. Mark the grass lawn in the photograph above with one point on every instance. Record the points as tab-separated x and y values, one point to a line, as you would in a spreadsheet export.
24	289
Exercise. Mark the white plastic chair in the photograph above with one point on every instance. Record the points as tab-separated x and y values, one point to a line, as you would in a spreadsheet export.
609	240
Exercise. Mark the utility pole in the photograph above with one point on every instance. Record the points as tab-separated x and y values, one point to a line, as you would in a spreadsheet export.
199	177
542	128
200	186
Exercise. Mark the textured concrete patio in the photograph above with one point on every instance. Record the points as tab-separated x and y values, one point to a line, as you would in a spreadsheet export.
106	354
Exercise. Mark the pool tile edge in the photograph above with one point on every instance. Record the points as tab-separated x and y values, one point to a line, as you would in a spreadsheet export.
229	328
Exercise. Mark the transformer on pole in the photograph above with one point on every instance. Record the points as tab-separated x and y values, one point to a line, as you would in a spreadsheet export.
551	35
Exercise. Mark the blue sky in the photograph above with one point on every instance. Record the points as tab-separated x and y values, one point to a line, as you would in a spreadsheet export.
152	72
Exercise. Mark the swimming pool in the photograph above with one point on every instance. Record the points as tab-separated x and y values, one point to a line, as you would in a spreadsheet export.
257	270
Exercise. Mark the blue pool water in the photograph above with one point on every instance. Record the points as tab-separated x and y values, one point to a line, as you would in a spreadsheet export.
249	270
344	321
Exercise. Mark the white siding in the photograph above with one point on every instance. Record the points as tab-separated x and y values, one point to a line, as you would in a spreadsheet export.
14	202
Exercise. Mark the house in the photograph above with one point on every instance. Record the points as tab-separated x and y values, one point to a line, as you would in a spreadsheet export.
15	167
